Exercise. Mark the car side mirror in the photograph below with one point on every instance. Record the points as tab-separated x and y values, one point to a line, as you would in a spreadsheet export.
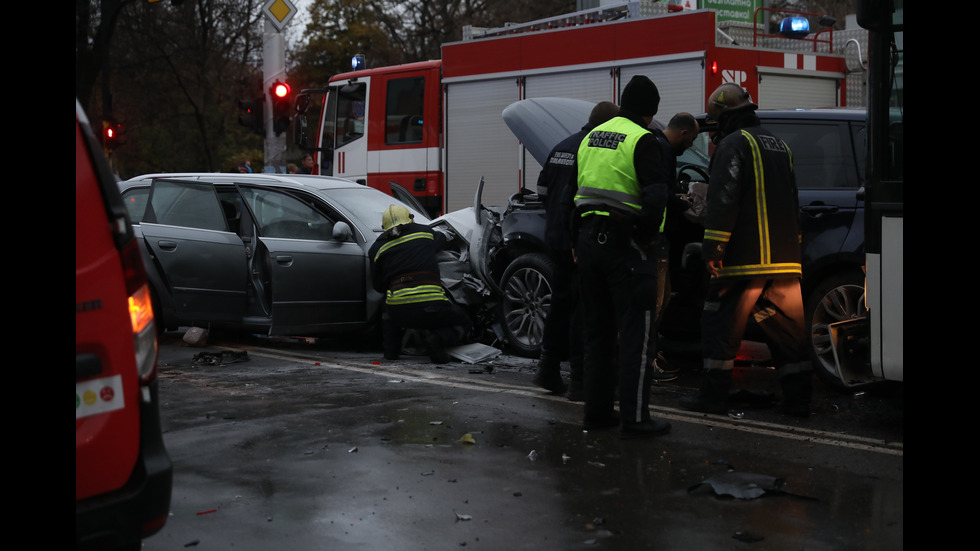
342	231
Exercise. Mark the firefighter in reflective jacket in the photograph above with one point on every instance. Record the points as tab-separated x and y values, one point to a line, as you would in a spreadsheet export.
405	269
618	207
751	248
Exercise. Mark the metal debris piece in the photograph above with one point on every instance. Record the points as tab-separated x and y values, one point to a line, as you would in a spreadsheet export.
220	358
741	485
460	516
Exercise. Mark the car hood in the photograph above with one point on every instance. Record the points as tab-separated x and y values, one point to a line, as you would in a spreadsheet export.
540	123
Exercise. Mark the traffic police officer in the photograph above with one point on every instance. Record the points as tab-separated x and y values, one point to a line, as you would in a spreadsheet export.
619	205
405	269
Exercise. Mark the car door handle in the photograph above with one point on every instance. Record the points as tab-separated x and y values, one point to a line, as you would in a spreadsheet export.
167	245
814	210
284	259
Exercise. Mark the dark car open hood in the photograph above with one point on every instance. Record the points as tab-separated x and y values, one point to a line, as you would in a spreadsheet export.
540	123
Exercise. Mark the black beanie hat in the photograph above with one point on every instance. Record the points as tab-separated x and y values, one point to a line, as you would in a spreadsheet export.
641	97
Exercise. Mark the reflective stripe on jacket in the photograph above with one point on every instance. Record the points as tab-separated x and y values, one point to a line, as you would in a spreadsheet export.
415	295
752	222
404	265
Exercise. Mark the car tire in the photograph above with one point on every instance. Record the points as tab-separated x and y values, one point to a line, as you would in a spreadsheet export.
526	300
837	298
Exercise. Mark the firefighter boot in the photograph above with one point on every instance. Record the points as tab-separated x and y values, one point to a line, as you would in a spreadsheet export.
797	392
391	338
712	397
548	376
437	350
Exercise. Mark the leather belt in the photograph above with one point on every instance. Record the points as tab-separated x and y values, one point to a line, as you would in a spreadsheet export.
413	279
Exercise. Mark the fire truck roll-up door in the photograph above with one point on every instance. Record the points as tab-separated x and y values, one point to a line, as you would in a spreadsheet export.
679	81
779	90
479	144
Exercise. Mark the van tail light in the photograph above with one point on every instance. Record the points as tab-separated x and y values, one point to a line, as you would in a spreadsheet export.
141	315
144	334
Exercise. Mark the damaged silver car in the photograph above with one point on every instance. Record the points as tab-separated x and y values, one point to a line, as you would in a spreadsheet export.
287	255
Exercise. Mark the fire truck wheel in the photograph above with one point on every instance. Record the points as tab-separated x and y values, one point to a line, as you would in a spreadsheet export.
839	297
526	285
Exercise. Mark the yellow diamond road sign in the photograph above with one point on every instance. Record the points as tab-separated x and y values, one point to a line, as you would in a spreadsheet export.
279	12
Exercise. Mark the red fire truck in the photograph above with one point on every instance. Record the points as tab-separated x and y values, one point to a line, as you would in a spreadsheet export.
435	127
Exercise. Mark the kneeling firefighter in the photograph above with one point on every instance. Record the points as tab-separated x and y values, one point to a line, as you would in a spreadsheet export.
405	269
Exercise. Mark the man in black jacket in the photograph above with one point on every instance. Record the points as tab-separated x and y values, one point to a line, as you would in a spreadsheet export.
674	140
563	331
751	248
405	269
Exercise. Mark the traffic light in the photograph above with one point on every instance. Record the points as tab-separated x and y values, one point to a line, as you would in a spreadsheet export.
282	108
113	134
250	115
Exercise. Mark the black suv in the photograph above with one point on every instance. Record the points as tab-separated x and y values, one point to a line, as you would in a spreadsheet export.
829	154
828	148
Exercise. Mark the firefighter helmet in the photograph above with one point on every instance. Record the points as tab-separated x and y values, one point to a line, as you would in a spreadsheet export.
395	215
727	96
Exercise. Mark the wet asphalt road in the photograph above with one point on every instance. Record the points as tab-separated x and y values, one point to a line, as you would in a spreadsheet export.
326	447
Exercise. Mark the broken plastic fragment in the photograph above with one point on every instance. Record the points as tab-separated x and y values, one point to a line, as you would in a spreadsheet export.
467	439
460	516
533	456
742	485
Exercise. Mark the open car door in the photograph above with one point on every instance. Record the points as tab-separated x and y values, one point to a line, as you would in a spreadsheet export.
201	258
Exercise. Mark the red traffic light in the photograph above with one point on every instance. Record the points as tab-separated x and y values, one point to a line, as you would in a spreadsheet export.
280	90
281	106
112	133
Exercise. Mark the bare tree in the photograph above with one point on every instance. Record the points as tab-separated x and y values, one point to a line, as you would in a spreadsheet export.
177	74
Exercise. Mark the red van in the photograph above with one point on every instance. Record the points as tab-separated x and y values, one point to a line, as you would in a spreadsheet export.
123	474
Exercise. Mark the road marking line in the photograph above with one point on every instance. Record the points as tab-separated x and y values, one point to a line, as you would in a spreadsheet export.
673	414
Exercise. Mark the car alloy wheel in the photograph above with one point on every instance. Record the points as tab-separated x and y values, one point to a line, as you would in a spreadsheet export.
838	298
526	300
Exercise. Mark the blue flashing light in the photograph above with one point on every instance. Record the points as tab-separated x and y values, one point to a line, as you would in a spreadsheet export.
357	62
794	27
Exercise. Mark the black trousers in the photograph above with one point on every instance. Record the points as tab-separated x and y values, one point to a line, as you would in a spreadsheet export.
563	330
444	318
618	284
773	306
